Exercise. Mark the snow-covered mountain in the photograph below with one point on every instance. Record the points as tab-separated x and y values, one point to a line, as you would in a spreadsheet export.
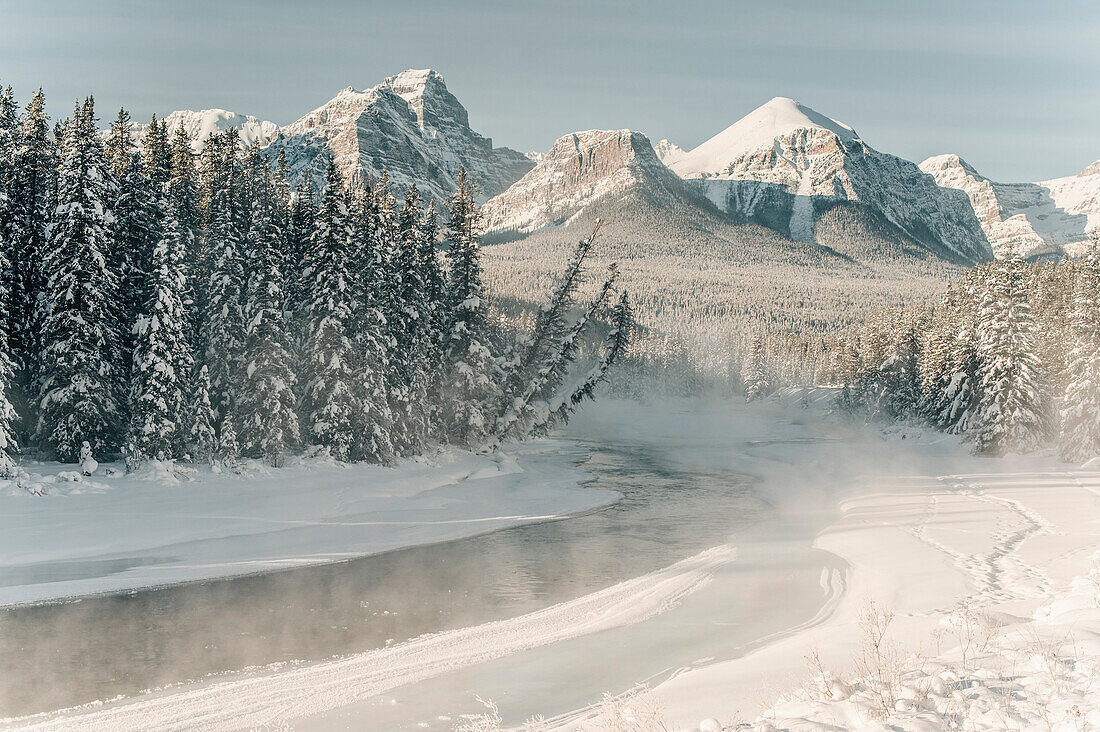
669	152
1051	217
201	125
411	126
784	164
580	169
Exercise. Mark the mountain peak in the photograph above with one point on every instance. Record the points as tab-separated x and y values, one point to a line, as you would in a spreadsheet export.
669	152
778	117
1091	170
426	93
941	167
580	169
414	80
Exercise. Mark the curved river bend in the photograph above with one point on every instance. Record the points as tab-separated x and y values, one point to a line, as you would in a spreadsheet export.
65	654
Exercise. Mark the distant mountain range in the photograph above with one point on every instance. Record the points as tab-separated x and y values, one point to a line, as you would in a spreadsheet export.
784	166
1052	217
409	125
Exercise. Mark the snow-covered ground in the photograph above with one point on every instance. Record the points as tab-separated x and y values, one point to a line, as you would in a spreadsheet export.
110	531
992	578
990	569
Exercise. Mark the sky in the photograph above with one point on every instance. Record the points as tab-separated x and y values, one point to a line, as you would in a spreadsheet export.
1013	87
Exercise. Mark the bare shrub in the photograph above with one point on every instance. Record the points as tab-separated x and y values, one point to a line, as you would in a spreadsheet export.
635	711
878	662
487	721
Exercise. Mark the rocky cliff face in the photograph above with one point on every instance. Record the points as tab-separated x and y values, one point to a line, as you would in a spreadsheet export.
1027	219
579	169
784	164
410	125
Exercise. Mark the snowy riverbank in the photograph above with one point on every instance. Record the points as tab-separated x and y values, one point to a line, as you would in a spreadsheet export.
993	580
109	533
998	552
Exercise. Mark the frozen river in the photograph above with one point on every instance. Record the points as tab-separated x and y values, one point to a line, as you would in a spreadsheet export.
674	505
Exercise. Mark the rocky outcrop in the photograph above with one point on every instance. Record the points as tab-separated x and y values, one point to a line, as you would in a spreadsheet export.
580	169
1049	218
409	125
784	164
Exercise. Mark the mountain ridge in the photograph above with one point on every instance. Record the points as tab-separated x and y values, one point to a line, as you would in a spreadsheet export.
1047	218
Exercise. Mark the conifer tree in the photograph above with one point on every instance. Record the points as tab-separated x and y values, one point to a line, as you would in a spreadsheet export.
139	210
30	196
201	437
157	151
1081	403
330	406
80	357
162	356
120	145
373	434
266	417
300	225
470	386
410	326
615	345
9	136
435	285
182	197
1013	401
223	283
757	381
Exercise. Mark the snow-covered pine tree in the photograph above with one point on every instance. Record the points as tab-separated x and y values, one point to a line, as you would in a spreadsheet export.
373	440
156	151
949	385
387	297
435	296
414	349
615	345
470	385
330	403
8	417
223	284
80	358
1080	407
1013	402
528	357
30	196
183	199
298	234
139	210
900	372
530	411
162	356
435	284
202	441
120	145
266	415
9	136
757	374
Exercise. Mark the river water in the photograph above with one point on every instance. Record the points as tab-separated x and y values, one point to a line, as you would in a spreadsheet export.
60	655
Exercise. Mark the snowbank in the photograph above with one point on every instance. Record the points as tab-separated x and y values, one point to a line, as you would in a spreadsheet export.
63	534
988	586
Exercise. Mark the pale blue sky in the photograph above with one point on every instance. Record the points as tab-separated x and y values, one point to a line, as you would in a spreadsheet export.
1014	87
